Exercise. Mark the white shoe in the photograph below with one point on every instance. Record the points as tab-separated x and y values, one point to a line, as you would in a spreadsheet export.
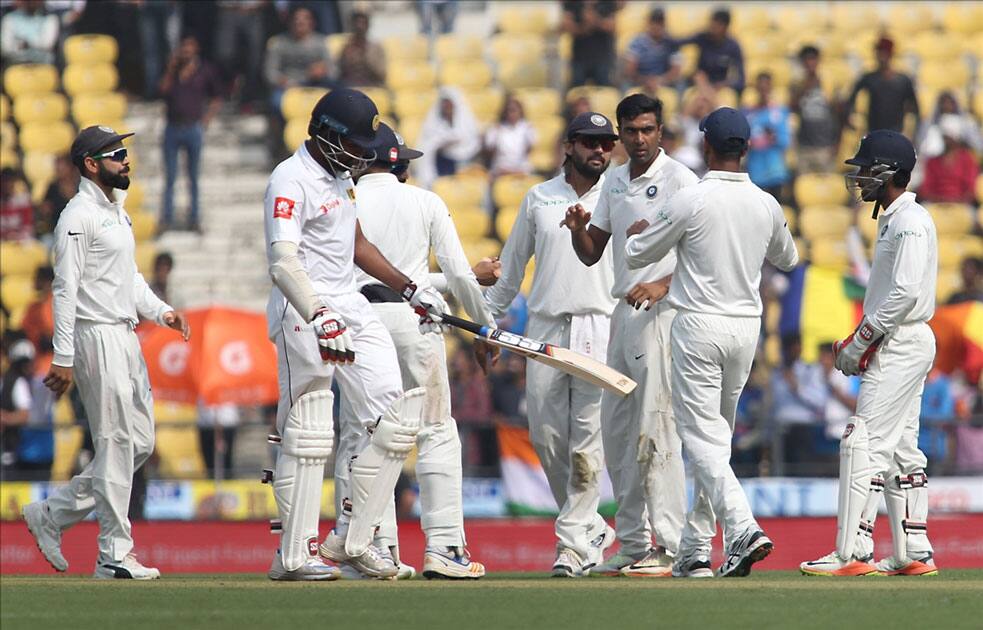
46	534
403	570
371	563
657	563
832	565
694	566
450	563
598	546
613	565
752	547
128	569
568	564
924	565
313	570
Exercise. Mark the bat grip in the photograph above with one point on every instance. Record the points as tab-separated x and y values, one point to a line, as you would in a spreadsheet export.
463	324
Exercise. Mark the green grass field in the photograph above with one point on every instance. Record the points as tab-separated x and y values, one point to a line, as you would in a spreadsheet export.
764	600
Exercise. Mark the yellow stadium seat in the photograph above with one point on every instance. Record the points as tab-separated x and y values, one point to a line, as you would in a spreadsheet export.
92	109
145	255
8	136
173	414
406	48
4	108
509	47
144	225
854	17
631	19
410	75
410	128
867	226
932	46
468	74
824	222
89	79
17	291
951	219
950	252
947	282
298	102
539	101
683	18
475	250
8	156
295	133
798	17
790	218
905	19
63	414
758	46
779	96
780	70
50	137
970	245
29	78
504	221
964	18
90	49
750	18
38	167
454	47
460	192
526	285
544	159
21	258
485	103
471	223
68	441
518	73
380	96
413	103
837	77
829	253
602	99
508	190
942	75
179	452
32	108
534	20
335	43
820	189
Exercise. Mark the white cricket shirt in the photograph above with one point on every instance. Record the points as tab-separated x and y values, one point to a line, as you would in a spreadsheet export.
308	206
561	285
901	288
723	229
624	200
405	222
96	277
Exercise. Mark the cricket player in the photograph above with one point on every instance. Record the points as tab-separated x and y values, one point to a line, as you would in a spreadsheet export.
98	294
722	229
324	328
893	350
567	307
406	223
641	446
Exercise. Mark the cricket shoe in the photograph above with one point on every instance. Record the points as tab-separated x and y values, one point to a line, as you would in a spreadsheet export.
127	569
693	566
612	566
450	563
657	563
925	565
832	565
752	547
403	570
313	570
568	564
601	543
371	563
46	534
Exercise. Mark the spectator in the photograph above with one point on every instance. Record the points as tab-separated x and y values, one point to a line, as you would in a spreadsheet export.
296	58
28	34
239	46
191	91
471	403
25	417
841	393
891	94
951	176
450	137
38	324
163	265
327	15
436	16
60	190
508	390
652	59
16	211
591	24
158	26
721	62
818	134
216	431
509	142
362	63
972	273
947	105
798	401
769	140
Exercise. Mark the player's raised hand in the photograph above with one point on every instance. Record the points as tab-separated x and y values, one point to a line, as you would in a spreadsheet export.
637	228
487	271
333	339
576	218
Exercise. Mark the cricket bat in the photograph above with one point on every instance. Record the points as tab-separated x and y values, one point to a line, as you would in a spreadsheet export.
564	359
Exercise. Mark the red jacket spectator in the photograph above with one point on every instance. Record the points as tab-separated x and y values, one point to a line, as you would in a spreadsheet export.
950	177
16	211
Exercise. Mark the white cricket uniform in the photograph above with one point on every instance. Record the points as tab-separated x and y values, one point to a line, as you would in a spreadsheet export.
722	229
900	299
569	305
308	206
641	446
405	222
98	294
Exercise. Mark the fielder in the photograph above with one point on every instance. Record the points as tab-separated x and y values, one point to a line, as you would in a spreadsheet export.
318	319
893	350
406	223
641	446
98	294
572	310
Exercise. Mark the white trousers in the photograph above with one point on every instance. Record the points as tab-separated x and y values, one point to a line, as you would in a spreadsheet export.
111	376
370	384
422	363
641	445
711	361
565	429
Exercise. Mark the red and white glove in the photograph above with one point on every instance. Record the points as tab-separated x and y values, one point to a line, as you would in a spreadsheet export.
333	339
428	304
852	355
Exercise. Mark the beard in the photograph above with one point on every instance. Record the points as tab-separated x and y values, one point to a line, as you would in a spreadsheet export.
587	169
117	180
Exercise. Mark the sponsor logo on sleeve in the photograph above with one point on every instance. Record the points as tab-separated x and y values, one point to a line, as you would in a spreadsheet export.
283	208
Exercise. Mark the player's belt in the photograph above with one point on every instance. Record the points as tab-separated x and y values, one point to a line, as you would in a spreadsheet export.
380	293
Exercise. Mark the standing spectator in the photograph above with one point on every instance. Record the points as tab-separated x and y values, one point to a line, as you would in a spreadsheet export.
449	137
770	135
16	211
158	26
216	432
652	59
947	104
591	24
798	400
296	58
842	391
721	62
362	63
38	324
163	265
239	45
471	403
327	15
28	34
951	176
508	390
891	93
60	190
972	273
191	91
25	417
818	133
509	142
938	409
436	16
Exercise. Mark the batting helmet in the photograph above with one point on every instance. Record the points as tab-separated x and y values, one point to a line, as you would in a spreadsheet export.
345	117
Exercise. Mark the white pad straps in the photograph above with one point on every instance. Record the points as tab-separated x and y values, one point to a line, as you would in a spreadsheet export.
907	506
855	476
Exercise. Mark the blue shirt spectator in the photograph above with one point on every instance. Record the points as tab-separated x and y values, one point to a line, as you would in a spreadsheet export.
652	58
721	59
770	135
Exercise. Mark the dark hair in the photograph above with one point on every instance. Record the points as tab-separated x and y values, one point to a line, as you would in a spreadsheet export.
510	97
808	51
45	272
721	15
657	15
764	74
901	178
974	261
164	258
635	105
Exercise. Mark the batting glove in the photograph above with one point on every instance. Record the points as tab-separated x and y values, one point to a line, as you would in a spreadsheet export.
333	339
429	305
852	355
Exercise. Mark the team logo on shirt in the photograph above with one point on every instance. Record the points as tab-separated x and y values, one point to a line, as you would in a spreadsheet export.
652	191
283	208
883	231
329	205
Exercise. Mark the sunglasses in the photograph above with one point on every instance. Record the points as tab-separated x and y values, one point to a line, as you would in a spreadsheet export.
606	144
119	155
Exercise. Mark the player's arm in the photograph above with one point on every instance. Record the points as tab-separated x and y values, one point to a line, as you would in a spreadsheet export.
651	243
72	237
519	248
587	238
453	262
781	248
911	257
151	307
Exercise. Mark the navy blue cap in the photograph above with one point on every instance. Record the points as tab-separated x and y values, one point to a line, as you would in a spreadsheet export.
590	124
92	139
390	147
726	129
884	146
349	113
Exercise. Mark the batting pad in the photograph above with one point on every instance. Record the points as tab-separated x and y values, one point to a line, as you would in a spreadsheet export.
855	476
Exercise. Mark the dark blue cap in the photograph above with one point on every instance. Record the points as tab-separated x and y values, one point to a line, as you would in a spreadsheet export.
884	146
726	130
590	124
390	147
349	113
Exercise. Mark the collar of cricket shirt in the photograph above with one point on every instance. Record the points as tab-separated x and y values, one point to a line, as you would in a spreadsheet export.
659	161
903	199
311	164
727	176
91	190
376	179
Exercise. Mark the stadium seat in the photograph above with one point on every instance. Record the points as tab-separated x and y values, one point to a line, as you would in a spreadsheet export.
471	222
526	285
602	99
509	190
930	46
134	196
297	102
684	19
539	101
40	108
4	108
475	250
530	20
751	18
947	282
16	291
21	258
758	46
91	109
409	127
335	43
380	96
467	74
62	412
145	255
29	78
175	414
454	47
8	136
820	189
180	452
824	222
790	218
413	103
867	226
964	18
89	79
8	155
779	96
942	75
518	73
406	48
68	441
485	103
780	70
504	220
794	18
837	77
508	47
951	219
854	17
631	19
971	245
90	49
409	75
905	19
544	160
38	167
49	137
460	192
829	253
548	130
144	225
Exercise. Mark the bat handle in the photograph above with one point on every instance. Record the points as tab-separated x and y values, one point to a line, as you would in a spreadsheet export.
463	324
